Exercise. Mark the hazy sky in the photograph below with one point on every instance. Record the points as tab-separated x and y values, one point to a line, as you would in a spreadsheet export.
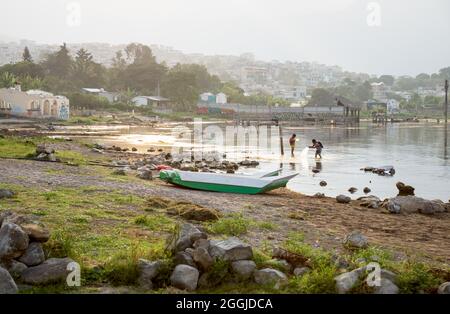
413	36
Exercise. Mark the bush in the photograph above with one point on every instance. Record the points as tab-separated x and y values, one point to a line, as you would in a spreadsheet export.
416	278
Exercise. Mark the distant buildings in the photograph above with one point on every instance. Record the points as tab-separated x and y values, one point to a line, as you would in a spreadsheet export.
380	91
33	104
156	103
110	96
210	98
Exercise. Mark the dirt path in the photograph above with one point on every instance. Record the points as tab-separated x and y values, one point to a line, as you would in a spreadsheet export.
323	221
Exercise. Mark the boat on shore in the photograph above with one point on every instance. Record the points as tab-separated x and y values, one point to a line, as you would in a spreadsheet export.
228	183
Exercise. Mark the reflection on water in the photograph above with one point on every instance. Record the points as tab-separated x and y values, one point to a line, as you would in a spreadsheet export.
418	151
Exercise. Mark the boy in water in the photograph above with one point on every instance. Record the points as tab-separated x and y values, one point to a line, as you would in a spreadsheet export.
292	140
318	146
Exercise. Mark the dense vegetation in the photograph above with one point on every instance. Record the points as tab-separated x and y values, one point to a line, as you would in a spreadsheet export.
134	71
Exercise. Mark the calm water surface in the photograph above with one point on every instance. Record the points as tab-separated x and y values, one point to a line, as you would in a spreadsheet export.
416	150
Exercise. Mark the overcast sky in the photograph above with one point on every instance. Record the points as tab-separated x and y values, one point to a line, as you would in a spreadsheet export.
413	36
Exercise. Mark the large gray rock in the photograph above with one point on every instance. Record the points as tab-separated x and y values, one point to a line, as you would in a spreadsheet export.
34	255
16	269
202	258
13	241
185	277
343	199
52	270
386	287
36	232
187	236
147	272
355	240
300	271
183	258
231	249
243	269
346	281
444	288
7	284
413	204
269	276
6	193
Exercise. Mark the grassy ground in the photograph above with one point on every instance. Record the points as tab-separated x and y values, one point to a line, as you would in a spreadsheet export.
107	230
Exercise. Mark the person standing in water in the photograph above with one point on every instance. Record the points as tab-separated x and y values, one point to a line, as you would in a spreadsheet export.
292	141
318	146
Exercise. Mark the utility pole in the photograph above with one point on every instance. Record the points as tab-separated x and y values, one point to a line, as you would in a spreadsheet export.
445	117
446	102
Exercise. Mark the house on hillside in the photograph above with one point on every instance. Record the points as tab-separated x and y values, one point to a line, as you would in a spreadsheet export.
111	96
156	103
33	104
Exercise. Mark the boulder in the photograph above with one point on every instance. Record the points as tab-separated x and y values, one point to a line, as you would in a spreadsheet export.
13	241
202	258
243	269
367	190
279	264
404	190
187	236
183	258
346	281
231	249
185	277
52	270
319	195
323	183
386	287
16	269
356	240
269	276
36	232
7	284
6	193
147	272
444	288
300	271
145	174
414	204
343	199
203	243
352	189
392	207
34	255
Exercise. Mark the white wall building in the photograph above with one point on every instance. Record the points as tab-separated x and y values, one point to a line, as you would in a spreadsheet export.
392	106
33	104
221	98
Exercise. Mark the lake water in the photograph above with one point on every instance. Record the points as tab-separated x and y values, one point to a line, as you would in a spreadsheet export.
416	151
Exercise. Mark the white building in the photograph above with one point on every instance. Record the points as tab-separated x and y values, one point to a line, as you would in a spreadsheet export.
379	91
221	98
33	104
112	97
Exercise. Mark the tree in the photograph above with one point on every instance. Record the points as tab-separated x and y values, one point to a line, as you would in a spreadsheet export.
26	56
7	80
445	73
181	86
387	79
321	97
59	63
85	71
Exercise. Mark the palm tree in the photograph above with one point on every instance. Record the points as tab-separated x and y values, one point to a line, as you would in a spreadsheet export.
7	80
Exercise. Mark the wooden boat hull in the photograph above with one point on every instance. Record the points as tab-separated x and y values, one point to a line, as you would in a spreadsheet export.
237	184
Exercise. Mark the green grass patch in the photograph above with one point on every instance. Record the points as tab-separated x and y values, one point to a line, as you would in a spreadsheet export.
416	277
155	222
233	225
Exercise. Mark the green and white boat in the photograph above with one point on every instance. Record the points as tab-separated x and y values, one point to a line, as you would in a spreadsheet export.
228	183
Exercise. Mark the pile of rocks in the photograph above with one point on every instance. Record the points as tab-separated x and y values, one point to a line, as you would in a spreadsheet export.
413	204
44	153
22	258
196	258
383	171
146	164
